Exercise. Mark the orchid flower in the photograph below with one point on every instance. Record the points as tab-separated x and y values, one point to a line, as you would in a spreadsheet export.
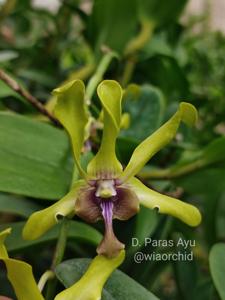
106	191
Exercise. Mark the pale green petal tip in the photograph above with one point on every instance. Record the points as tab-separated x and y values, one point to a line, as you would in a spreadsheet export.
196	217
106	90
64	88
189	113
34	227
4	234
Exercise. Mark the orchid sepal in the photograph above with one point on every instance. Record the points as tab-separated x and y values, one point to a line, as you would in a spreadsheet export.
91	284
149	198
41	221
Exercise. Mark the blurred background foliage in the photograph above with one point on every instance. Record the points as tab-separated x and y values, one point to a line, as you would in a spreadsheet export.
159	61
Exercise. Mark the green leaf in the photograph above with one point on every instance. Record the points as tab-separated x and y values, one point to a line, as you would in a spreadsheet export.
145	105
106	21
17	205
167	75
206	186
161	12
77	230
193	160
35	158
6	91
214	152
185	271
119	286
217	267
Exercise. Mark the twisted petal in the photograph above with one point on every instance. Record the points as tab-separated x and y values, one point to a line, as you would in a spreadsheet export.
71	111
90	286
41	221
141	155
19	274
165	204
105	162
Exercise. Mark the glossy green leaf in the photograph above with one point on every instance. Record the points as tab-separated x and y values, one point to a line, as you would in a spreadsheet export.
105	162
19	274
16	205
167	75
217	267
159	139
34	158
145	105
43	220
6	91
207	186
119	286
165	204
106	21
161	12
191	161
214	152
186	272
71	111
77	231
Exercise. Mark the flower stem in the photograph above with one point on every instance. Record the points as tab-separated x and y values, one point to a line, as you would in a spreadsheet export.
44	278
27	96
136	44
58	256
173	172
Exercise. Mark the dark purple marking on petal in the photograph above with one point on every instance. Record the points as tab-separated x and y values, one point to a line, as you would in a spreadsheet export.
87	206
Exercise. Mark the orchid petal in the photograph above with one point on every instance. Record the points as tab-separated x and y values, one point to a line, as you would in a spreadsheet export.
161	137
90	286
72	112
165	204
41	221
19	274
105	162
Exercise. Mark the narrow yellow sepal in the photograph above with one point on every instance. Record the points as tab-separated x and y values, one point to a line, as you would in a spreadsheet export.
187	213
19	274
71	110
90	286
43	220
186	113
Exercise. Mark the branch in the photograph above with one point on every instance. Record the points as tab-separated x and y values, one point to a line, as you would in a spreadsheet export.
25	94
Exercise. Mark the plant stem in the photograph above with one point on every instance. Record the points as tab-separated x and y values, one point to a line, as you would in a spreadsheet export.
173	172
25	94
98	75
132	48
59	253
44	278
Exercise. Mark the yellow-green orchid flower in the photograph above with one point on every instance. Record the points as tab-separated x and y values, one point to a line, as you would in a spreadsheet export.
108	191
89	287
